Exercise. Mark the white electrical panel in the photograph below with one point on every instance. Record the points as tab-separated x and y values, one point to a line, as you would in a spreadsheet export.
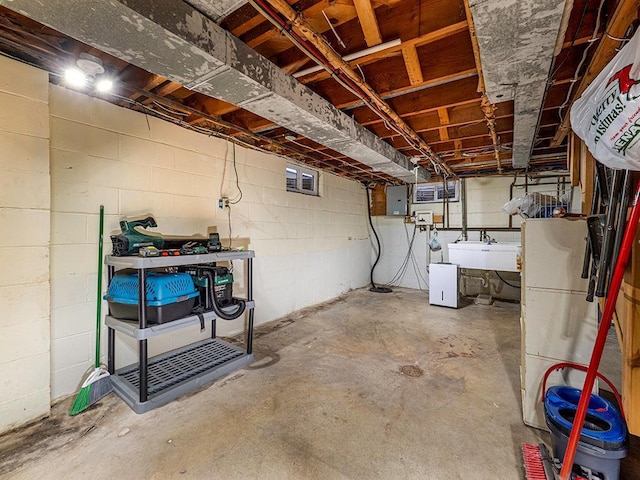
443	284
424	218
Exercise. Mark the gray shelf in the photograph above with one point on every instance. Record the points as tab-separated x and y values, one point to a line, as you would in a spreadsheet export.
154	382
132	328
157	262
177	372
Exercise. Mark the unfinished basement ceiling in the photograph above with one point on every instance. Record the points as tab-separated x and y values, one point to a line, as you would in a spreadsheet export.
403	81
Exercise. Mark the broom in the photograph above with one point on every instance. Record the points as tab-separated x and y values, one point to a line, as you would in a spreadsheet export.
98	383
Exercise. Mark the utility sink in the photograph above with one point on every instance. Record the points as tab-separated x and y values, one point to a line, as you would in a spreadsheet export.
485	256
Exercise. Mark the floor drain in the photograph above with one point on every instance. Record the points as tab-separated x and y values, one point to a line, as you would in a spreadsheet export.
411	371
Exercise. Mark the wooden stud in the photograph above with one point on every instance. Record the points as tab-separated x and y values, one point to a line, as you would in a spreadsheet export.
573	159
425	39
412	62
443	115
587	177
444	133
630	339
378	200
457	145
152	82
368	22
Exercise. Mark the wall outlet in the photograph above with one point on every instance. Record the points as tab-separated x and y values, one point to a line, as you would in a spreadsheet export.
223	203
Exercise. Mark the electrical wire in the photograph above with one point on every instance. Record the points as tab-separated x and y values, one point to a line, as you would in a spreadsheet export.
573	40
311	51
504	281
205	131
414	261
574	80
229	217
235	169
409	257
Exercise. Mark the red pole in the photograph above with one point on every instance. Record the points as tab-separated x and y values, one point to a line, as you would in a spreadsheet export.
605	322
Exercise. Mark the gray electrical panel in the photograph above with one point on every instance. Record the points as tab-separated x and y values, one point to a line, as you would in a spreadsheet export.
397	200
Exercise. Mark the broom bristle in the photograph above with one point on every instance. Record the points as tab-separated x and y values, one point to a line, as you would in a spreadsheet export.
81	403
90	394
99	389
533	464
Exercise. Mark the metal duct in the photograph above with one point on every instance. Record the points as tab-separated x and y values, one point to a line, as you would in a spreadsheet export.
171	39
516	40
216	10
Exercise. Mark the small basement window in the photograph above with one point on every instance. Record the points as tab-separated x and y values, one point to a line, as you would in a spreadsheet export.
302	180
436	192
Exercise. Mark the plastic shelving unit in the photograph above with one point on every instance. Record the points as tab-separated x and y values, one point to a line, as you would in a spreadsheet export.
156	381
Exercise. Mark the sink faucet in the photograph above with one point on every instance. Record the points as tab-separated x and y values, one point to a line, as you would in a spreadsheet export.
484	237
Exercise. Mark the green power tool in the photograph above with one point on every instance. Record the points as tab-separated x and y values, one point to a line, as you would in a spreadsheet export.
135	235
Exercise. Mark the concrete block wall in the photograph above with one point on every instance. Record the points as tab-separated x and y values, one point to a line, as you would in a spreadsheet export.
308	249
485	198
24	244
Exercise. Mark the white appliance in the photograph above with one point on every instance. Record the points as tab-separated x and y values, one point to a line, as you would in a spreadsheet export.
500	256
558	324
443	284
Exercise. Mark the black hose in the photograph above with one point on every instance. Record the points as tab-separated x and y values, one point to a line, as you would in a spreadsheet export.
374	287
239	303
504	281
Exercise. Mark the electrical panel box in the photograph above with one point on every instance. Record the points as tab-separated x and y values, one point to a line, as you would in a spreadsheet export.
424	218
443	284
397	200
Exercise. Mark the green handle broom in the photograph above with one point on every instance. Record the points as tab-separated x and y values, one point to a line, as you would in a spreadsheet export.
98	383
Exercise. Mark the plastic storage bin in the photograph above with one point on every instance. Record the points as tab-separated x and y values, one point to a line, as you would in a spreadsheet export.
170	296
603	442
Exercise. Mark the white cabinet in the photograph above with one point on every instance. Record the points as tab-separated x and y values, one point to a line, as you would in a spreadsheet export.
558	324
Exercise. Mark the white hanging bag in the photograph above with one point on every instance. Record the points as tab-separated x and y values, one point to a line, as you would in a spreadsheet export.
607	114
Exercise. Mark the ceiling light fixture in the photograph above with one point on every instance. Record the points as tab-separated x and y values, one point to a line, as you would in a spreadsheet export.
75	77
88	68
104	85
90	64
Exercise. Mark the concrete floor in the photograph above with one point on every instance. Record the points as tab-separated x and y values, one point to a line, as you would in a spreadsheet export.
369	386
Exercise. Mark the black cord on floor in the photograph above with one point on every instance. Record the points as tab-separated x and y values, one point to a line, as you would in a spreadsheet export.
504	281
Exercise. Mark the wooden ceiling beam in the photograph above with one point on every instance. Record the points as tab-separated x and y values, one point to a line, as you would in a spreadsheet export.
409	89
341	12
443	116
424	39
152	82
368	22
624	14
314	10
412	63
488	109
259	124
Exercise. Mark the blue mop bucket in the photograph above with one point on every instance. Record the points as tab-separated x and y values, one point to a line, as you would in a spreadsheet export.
603	439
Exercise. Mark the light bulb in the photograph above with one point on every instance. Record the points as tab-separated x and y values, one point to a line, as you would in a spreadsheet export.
75	77
104	85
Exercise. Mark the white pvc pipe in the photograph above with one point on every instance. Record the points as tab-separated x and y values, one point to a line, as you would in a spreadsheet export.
352	56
